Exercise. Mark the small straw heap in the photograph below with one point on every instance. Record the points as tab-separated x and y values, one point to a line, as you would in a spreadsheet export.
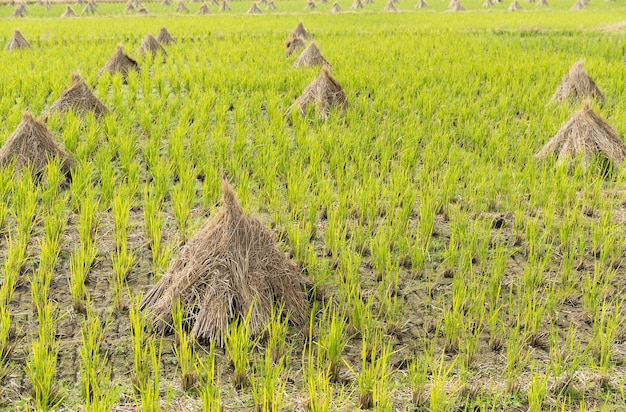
229	268
142	11
293	44
17	41
204	9
515	6
78	97
19	11
90	8
224	6
487	4
254	9
357	5
301	32
421	4
151	45
164	37
390	7
30	145
578	6
577	85
69	12
588	135
310	5
325	92
271	5
181	8
310	57
336	8
542	3
120	62
456	5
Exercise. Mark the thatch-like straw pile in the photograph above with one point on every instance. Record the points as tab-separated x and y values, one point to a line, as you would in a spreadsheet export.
120	62
78	97
585	134
231	266
19	11
577	85
324	92
421	4
164	37
390	7
166	3
30	145
224	6
456	6
515	6
311	56
542	3
578	6
336	8
17	41
181	8
69	12
487	4
90	8
151	45
204	9
357	5
293	44
271	5
254	9
310	5
301	32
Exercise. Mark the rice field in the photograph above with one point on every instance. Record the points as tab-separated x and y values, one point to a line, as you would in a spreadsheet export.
446	268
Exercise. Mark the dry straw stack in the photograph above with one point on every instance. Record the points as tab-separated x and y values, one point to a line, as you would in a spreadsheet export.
293	44
181	8
325	93
515	6
587	135
271	5
577	85
229	268
120	62
30	145
390	7
204	10
421	4
79	98
17	41
310	5
164	37
254	9
151	45
310	57
336	8
224	6
357	5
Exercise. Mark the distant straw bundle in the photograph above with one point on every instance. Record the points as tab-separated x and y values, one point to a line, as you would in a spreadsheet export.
515	6
311	56
577	85
325	93
164	37
79	98
17	41
151	45
254	9
120	62
585	134
293	44
336	8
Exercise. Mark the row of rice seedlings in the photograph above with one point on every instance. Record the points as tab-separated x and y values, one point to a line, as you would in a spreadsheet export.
95	372
239	344
184	349
208	385
122	258
7	327
147	360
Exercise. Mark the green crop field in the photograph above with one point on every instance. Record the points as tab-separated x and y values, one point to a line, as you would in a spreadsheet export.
446	267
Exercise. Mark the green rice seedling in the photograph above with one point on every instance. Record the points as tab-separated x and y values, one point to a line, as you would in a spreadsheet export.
41	364
372	379
441	397
95	372
183	349
605	329
25	196
150	394
108	178
418	378
54	178
332	340
81	183
16	256
517	357
268	384
183	195
7	339
153	223
88	218
277	329
141	361
319	388
81	261
208	385
537	391
239	345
